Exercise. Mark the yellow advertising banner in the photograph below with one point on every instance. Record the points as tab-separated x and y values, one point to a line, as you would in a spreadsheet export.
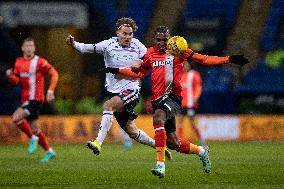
268	127
75	129
81	128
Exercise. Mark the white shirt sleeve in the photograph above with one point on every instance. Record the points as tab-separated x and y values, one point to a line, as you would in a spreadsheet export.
84	48
101	46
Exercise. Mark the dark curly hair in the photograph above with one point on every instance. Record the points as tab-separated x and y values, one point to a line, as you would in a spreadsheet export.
162	29
126	21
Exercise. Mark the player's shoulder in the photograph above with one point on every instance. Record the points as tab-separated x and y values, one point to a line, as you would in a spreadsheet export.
137	43
151	50
41	59
19	59
111	41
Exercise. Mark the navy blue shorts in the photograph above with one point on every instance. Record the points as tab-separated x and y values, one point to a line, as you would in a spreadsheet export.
32	108
130	98
171	104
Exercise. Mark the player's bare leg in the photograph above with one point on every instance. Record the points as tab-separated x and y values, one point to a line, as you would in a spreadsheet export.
43	142
142	137
19	118
184	146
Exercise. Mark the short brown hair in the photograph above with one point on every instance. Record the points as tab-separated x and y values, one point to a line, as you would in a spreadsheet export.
126	21
28	39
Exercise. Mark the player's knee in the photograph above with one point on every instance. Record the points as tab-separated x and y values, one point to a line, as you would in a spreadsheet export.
107	106
131	130
159	117
16	119
172	144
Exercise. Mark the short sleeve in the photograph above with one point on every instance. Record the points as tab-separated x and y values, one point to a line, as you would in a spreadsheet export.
16	68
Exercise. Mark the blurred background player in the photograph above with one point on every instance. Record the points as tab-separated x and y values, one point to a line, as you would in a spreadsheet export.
127	141
120	51
166	71
191	90
29	71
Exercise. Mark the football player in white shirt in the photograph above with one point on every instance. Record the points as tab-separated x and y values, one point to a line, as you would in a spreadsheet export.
118	52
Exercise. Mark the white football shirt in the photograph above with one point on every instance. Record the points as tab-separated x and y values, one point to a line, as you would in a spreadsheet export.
116	56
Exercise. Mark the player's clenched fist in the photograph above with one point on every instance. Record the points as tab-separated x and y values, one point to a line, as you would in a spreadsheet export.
9	73
136	66
70	40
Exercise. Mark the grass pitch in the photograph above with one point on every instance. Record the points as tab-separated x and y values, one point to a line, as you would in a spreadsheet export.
235	165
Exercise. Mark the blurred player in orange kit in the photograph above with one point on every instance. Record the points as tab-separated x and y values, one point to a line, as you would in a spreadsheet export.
191	90
29	71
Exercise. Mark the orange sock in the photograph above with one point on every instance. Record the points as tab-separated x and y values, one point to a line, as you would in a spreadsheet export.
194	149
160	141
161	153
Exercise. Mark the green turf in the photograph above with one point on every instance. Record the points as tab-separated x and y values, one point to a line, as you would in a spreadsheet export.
235	165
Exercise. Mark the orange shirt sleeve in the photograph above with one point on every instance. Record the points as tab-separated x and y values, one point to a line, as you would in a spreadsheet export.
14	79
128	73
53	79
210	60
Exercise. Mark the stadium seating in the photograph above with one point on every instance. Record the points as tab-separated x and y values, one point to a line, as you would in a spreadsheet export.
218	80
212	9
274	20
140	11
217	95
262	80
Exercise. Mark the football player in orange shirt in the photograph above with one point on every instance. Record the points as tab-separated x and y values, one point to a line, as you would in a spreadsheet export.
29	71
191	90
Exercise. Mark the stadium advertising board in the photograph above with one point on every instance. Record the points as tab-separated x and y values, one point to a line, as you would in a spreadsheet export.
44	14
79	129
219	127
261	127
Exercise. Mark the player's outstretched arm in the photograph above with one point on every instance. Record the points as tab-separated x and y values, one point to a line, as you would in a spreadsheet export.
215	60
13	78
81	47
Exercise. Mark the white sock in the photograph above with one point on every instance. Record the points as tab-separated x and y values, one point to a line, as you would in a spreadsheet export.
105	126
201	150
143	138
34	137
160	163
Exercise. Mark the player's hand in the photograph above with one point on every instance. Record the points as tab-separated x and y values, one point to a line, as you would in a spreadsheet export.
136	67
9	73
50	96
238	59
70	40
